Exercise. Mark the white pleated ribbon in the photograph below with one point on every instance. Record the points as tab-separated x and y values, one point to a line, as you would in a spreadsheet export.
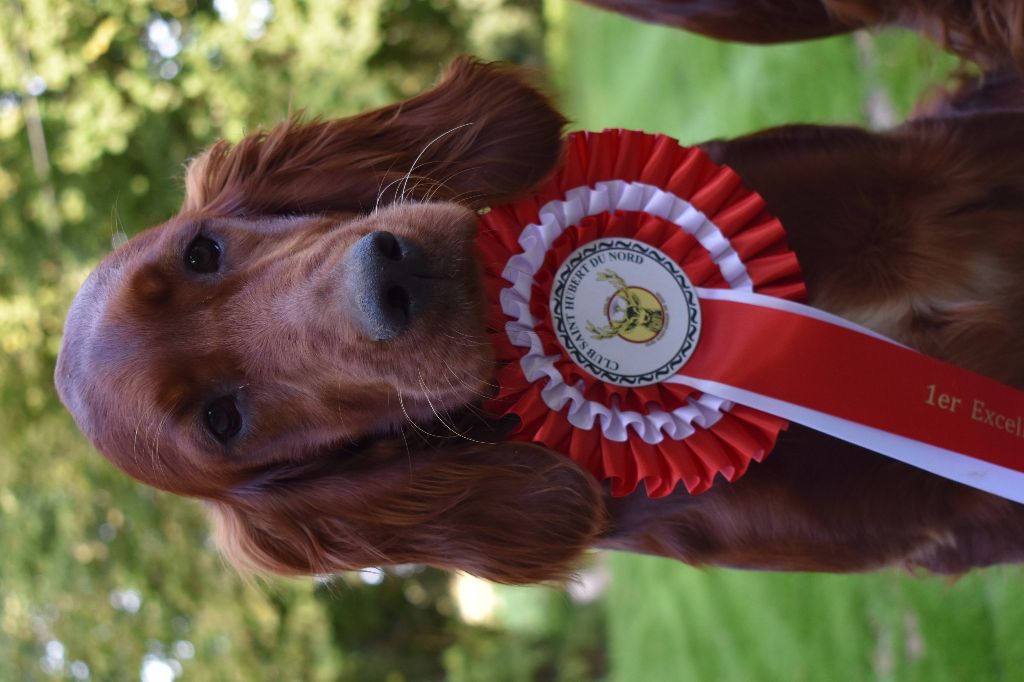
554	218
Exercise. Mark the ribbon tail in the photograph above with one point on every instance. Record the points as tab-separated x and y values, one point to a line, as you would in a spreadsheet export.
992	478
833	376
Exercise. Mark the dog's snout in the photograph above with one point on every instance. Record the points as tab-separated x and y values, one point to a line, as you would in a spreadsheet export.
389	281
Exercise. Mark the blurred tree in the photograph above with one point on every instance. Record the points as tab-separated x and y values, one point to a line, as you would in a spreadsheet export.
101	103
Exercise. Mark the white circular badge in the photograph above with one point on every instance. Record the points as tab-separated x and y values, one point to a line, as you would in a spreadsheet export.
625	312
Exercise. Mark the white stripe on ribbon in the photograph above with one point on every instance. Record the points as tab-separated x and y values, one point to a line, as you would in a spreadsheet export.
788	306
977	473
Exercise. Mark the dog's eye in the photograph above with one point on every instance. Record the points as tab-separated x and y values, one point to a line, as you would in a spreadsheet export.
203	255
222	418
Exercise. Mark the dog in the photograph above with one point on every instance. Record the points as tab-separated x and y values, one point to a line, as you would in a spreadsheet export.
304	345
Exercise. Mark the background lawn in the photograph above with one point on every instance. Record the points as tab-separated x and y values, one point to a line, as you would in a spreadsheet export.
671	622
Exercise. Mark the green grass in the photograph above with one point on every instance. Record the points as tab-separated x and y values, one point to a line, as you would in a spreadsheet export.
614	72
673	622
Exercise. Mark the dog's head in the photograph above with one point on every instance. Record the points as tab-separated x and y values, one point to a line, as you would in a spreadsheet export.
281	346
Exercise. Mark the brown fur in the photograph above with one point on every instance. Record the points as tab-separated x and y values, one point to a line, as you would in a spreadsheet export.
351	452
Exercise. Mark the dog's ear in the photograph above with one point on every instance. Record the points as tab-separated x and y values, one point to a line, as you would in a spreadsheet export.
512	512
481	136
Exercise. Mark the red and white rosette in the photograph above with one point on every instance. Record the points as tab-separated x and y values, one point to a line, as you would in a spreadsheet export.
628	199
645	317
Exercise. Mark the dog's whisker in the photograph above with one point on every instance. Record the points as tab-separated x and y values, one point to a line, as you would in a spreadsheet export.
400	197
451	373
401	432
423	151
480	416
117	233
467	195
455	198
421	180
434	186
433	408
156	442
432	192
381	189
413	424
471	387
343	422
465	342
426	395
438	185
380	194
149	443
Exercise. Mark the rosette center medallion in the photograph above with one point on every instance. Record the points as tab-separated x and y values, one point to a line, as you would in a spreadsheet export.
624	312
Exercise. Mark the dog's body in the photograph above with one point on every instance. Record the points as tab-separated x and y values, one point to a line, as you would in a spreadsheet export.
924	248
283	349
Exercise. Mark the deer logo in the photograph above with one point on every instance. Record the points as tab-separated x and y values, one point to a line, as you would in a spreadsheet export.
634	313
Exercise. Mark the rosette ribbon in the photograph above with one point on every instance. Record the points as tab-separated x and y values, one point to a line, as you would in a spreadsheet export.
646	322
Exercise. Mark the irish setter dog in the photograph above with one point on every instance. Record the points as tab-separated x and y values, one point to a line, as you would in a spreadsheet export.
249	352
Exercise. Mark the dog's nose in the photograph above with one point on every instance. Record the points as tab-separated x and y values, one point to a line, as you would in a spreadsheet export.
389	283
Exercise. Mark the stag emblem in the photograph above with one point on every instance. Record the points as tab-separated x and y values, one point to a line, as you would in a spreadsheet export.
634	313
